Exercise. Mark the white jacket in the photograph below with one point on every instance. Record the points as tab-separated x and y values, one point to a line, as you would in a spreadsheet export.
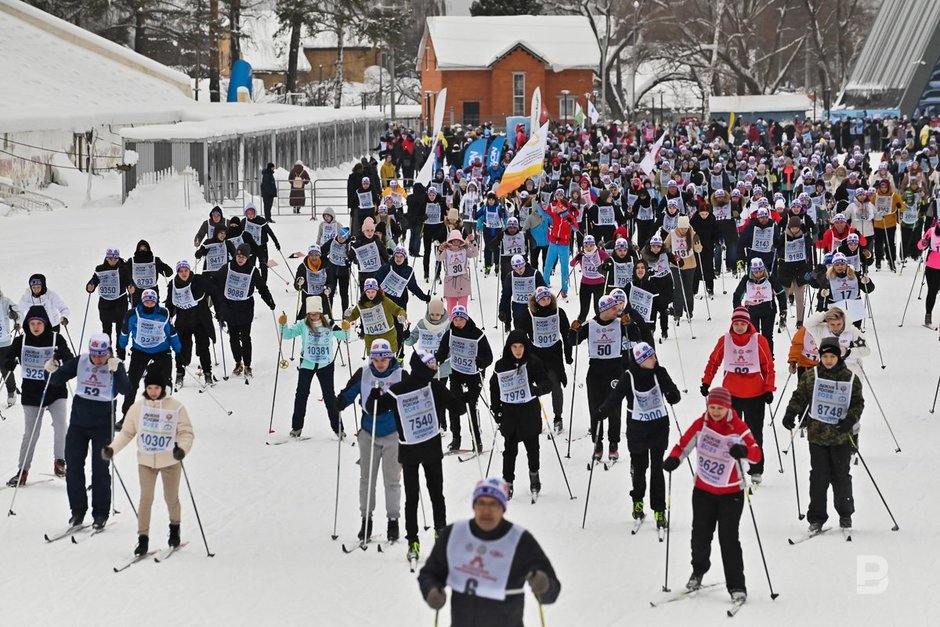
55	307
851	339
9	315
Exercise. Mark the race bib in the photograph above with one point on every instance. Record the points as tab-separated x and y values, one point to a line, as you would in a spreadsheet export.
590	264
642	302
418	415
144	274
480	567
365	200
315	281
463	355
183	297
882	206
514	244
714	457
149	333
546	331
368	256
514	386
236	285
254	230
722	212
911	214
742	359
337	254
156	430
623	274
429	340
830	400
758	293
649	405
522	288
604	341
394	284
680	246
216	256
374	321
794	250
763	240
318	347
33	359
433	213
605	216
330	229
492	220
92	382
109	284
456	262
845	288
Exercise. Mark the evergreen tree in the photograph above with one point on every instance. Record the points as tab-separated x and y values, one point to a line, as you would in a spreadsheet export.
505	7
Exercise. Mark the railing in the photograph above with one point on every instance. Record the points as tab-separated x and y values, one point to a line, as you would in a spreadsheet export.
18	198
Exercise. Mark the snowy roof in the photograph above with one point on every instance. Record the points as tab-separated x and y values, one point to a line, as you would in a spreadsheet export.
264	47
902	43
57	76
563	42
760	104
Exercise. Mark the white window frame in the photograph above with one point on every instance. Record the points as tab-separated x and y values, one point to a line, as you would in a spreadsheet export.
566	104
518	96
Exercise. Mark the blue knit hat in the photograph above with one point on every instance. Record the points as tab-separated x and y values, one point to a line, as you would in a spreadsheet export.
495	488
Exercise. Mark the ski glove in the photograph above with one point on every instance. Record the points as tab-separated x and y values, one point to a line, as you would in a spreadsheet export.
808	276
738	451
502	316
670	463
673	397
865	279
792	369
113	363
51	366
282	319
704	389
345	325
845	425
789	422
122	353
824	292
107	453
575	325
178	453
740	266
436	598
768	397
539	582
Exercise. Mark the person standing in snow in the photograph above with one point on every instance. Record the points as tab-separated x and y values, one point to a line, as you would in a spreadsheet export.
39	351
113	281
513	558
9	327
187	301
757	290
299	179
720	437
518	287
216	252
164	436
336	253
145	270
260	232
456	255
208	229
99	378
57	312
378	314
310	279
268	191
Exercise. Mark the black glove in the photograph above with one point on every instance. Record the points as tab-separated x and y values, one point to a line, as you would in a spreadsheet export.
426	298
277	245
789	422
405	334
845	425
704	389
270	305
436	598
178	453
501	316
107	453
768	397
341	404
673	397
738	451
569	360
670	463
680	262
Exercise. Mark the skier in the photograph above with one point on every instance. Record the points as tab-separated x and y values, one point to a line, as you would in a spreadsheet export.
187	301
237	281
164	436
833	323
721	440
842	286
328	228
492	215
99	378
397	278
336	253
456	255
216	252
432	228
656	262
368	251
427	333
208	229
513	558
646	385
39	351
146	268
9	328
469	354
378	439
113	281
518	287
512	242
794	250
562	219
260	232
748	376
619	266
591	259
518	379
757	240
831	396
683	245
320	343
548	329
39	294
378	313
931	243
758	289
420	402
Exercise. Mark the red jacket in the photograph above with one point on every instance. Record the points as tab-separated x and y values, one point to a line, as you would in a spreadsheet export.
563	222
826	242
731	424
748	385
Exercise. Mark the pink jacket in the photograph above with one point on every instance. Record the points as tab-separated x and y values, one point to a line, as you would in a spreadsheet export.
932	241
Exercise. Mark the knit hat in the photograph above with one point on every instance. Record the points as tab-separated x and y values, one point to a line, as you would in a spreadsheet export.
149	296
370	284
839	258
642	351
839	217
605	303
740	314
512	223
436	306
682	222
459	311
618	295
380	349
495	488
542	292
852	238
656	240
366	179
830	345
589	240
762	212
99	345
244	250
37	312
432	190
155	377
621	244
314	304
344	233
183	263
454	236
518	261
400	250
426	357
794	222
719	396
757	265
112	253
313	250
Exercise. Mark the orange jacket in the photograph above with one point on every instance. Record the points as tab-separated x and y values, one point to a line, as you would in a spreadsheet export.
798	353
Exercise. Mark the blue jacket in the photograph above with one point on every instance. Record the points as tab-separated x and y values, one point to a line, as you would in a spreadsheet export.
539	232
129	328
385	421
480	217
299	329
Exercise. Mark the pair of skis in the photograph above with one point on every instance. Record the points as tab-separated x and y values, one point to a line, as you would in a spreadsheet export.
846	534
158	556
736	605
660	531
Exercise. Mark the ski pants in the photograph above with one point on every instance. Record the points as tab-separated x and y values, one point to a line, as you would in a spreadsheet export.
33	425
386	454
432	233
470	397
171	494
829	465
434	478
909	239
752	411
649	455
77	440
884	246
703	271
682	297
341	277
304	379
557	253
798	292
535	252
590	293
645	230
490	249
724	511
511	450
140	362
6	375
729	233
932	276
414	245
558	393
267	202
239	338
185	356
764	323
600	375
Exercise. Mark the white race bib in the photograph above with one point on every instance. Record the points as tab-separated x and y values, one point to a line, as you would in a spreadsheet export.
109	284
589	265
830	400
418	415
722	212
546	331
714	457
463	354
156	430
429	340
315	281
845	288
742	359
394	284
522	288
183	297
605	216
365	200
642	302
92	382
318	346
368	256
433	213
236	285
149	333
456	262
337	254
374	321
254	230
33	360
623	274
513	244
649	405
514	386
758	293
763	240
330	229
144	274
604	341
492	220
794	250
216	256
480	567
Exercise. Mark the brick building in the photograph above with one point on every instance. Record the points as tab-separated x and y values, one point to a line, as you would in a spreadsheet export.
491	65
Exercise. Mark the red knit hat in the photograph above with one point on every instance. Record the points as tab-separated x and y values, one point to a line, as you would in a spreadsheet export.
719	396
740	314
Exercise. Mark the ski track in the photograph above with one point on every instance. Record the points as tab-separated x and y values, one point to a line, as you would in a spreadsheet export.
268	511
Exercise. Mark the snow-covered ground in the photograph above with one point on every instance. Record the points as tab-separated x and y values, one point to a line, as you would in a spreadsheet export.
268	510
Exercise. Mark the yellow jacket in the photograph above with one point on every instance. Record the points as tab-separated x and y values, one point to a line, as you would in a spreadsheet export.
887	206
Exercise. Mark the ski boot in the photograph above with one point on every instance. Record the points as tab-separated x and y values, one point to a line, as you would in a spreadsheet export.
694	582
295	433
814	528
738	596
11	399
845	522
99	521
248	373
638	513
454	445
486	270
143	546
179	380
563	295
660	518
391	531
612	453
237	370
414	550
598	451
364	533
76	519
18	479
209	379
58	468
174	540
535	485
928	321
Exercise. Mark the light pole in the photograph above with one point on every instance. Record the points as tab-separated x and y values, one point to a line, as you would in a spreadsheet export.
564	99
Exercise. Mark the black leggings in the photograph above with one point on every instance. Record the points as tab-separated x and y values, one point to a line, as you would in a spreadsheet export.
240	341
590	293
932	275
140	362
434	478
511	450
185	355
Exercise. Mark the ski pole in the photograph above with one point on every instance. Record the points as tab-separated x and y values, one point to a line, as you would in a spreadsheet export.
587	497
857	452
339	453
747	495
114	509
897	447
293	342
935	393
69	336
479	296
349	363
773	415
701	268
277	371
675	330
196	509
81	338
574	387
679	429
668	529
204	389
222	348
796	481
424	515
557	454
875	329
685	304
124	487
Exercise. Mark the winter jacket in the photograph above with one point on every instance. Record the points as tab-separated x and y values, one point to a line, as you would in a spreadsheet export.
131	328
242	311
931	242
300	329
693	249
470	610
852	340
804	352
819	432
385	420
87	412
832	239
743	385
522	420
562	221
643	433
556	356
9	315
208	227
143	254
203	291
391	311
536	225
113	308
268	184
55	307
298	179
266	232
770	284
460	285
732	424
887	209
334	228
789	271
34	382
506	304
602	256
184	432
469	331
406	272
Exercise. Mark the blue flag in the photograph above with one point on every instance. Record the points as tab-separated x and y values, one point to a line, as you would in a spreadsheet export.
476	149
495	152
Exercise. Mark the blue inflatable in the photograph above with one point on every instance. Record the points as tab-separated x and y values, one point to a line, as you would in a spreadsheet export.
241	77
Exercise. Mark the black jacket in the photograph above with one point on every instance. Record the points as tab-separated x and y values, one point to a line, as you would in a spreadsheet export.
649	433
242	311
522	420
113	308
200	315
32	389
143	254
554	357
473	332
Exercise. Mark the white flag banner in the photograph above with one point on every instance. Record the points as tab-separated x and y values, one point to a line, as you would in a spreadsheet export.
592	113
536	110
648	164
427	170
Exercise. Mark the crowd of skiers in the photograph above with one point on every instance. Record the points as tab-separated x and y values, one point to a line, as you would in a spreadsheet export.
640	245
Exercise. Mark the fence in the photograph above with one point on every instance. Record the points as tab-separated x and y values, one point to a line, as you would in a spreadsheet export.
20	199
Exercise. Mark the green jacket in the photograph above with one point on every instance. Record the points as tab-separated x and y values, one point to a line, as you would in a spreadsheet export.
819	432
